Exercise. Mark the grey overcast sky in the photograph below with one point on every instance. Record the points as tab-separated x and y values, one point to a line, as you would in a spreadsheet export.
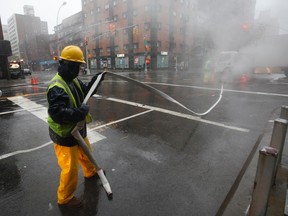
47	10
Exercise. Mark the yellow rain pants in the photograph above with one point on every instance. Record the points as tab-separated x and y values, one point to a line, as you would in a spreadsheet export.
68	160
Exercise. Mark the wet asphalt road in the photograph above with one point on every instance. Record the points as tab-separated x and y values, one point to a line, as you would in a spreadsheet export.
159	158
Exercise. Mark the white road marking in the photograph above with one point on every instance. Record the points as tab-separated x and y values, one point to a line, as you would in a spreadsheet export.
24	151
182	115
91	131
40	112
120	120
225	90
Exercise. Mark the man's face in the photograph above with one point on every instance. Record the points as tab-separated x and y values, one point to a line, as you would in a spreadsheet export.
74	68
69	70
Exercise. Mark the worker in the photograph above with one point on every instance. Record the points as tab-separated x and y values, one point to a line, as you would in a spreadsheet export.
65	95
208	71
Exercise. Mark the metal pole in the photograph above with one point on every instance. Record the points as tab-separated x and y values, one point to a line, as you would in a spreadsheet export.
145	63
86	44
263	181
278	140
284	112
87	59
58	52
176	63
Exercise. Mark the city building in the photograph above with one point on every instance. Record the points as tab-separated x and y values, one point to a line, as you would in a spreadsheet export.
5	51
132	34
22	28
266	24
5	32
70	31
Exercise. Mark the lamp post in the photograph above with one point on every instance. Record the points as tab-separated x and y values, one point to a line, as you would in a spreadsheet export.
86	43
64	3
87	59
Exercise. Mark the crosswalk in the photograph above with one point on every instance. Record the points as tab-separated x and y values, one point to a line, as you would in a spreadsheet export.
40	112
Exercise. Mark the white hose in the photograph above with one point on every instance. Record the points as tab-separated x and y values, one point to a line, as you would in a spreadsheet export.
167	97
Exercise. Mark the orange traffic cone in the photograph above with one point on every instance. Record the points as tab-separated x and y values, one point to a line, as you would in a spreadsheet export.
244	79
32	81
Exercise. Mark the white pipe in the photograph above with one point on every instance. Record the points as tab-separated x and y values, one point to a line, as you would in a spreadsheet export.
75	133
105	183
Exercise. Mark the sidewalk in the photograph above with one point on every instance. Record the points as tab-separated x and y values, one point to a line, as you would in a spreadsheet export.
242	197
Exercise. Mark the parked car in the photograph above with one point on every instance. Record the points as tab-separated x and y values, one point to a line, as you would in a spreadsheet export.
27	71
15	70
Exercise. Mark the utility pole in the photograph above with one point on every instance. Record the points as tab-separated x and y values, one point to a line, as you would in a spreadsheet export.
57	27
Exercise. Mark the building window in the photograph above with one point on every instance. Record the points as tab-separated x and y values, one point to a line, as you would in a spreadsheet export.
124	15
108	49
116	48
106	6
114	3
101	50
135	46
158	44
91	12
147	26
126	46
98	9
135	13
115	18
99	37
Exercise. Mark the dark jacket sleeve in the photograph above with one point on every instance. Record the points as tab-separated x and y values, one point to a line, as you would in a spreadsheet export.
59	109
86	86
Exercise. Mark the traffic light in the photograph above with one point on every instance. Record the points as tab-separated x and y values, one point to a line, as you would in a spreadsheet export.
147	48
86	41
55	58
245	27
112	27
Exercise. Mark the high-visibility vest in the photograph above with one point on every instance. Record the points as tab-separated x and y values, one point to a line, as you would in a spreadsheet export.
63	130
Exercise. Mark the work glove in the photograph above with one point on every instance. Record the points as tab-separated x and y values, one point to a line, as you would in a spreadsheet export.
83	109
93	80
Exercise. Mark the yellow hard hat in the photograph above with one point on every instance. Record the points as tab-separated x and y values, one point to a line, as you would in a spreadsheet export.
72	53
